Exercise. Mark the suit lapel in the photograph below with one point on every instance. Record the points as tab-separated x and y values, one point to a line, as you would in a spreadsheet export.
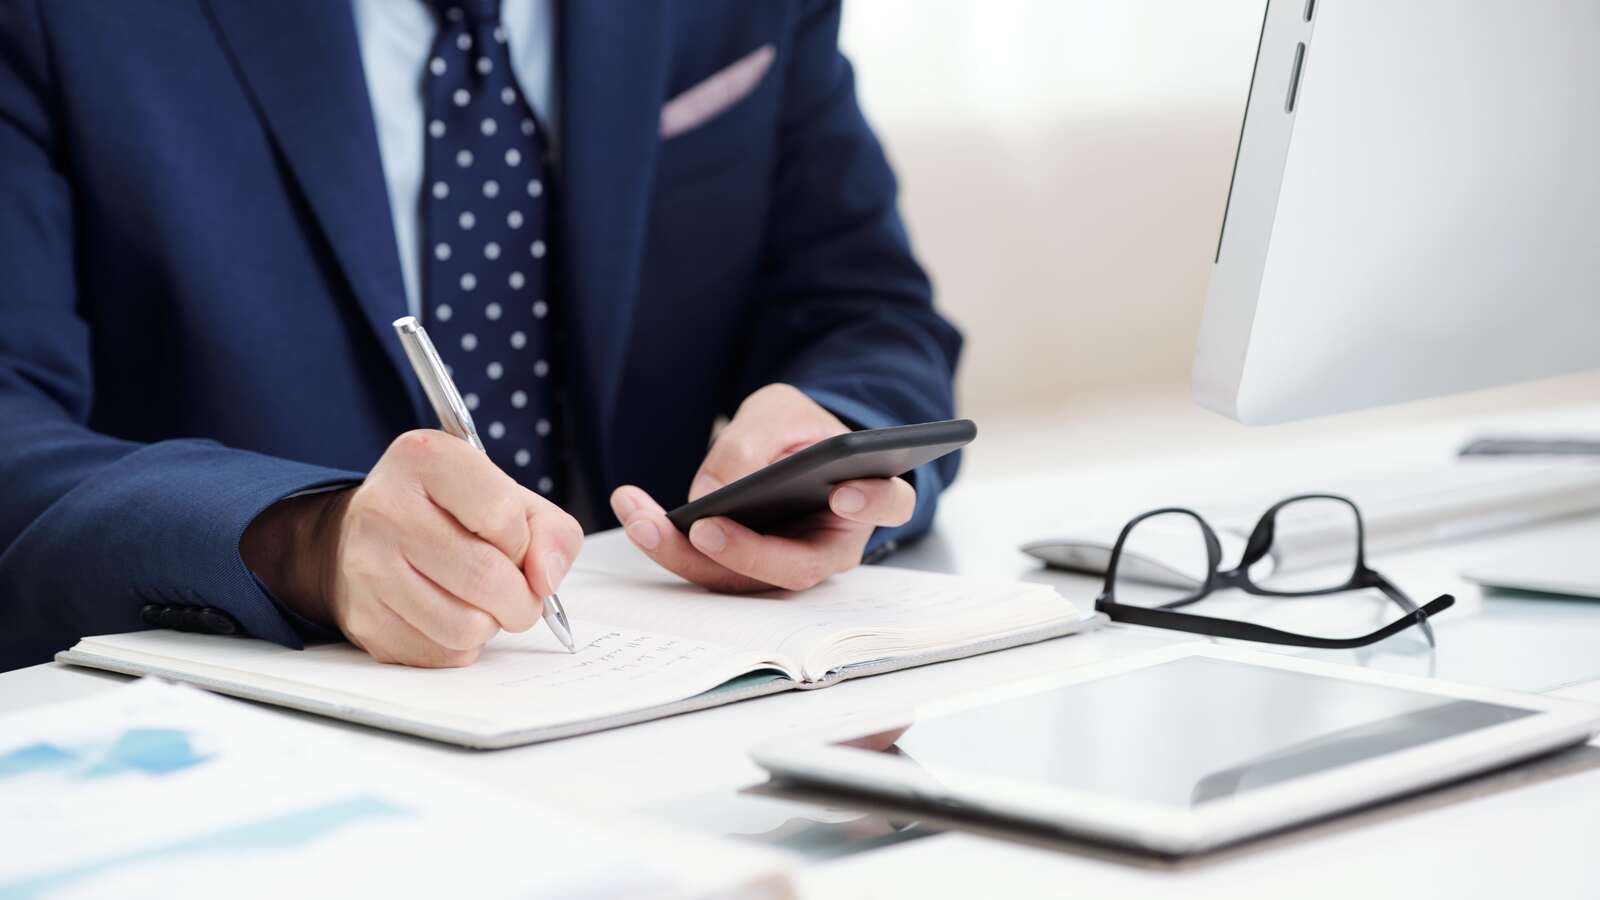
301	64
612	83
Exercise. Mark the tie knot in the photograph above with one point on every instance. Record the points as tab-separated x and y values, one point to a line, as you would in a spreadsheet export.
474	13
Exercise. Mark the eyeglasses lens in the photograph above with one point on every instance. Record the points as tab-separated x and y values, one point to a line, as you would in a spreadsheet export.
1164	560
1315	547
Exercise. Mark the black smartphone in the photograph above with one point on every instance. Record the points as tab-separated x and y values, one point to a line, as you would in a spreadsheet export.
800	484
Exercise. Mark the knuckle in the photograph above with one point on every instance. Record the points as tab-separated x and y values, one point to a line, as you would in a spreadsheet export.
451	635
747	454
775	392
734	457
483	628
507	509
557	530
414	445
505	518
468	630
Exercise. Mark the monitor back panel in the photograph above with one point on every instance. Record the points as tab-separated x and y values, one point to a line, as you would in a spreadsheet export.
1415	207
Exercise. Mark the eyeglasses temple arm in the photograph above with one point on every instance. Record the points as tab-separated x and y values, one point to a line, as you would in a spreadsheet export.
1402	600
1244	631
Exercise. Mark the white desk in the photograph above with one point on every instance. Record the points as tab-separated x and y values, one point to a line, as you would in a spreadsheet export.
1522	833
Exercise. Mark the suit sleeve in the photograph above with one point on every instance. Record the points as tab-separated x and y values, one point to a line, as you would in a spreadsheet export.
847	314
93	528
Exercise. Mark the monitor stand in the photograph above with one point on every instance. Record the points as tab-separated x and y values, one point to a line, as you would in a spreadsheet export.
1511	445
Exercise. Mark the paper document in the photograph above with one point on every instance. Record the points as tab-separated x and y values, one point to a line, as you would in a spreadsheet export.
155	790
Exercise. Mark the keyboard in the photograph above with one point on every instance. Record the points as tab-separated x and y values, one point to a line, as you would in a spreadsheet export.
1400	509
1470	498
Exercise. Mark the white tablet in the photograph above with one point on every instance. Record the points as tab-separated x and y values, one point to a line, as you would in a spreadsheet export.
1183	749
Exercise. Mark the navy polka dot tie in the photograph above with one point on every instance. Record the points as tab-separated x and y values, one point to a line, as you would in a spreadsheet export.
487	304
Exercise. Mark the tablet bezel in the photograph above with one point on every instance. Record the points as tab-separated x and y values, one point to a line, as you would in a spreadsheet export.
816	758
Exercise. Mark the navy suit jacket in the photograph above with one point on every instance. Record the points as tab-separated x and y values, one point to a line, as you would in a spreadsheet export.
198	274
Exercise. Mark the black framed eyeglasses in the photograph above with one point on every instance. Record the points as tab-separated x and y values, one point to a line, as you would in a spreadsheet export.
1306	546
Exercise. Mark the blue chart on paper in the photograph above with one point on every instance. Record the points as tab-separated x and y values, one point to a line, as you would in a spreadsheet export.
275	833
153	751
159	753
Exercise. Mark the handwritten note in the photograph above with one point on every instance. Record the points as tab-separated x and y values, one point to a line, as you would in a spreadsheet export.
616	657
896	610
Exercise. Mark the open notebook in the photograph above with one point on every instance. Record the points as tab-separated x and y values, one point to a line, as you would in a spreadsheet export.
648	646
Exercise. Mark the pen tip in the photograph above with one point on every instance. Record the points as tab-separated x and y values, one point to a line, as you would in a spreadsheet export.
555	615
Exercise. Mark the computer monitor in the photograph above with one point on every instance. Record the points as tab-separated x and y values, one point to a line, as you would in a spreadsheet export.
1415	207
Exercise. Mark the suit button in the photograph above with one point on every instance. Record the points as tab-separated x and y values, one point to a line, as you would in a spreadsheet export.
172	617
215	621
150	614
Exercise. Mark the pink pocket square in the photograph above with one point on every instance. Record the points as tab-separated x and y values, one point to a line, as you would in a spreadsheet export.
703	102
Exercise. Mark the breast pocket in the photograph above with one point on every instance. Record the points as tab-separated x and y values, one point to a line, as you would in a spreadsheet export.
739	133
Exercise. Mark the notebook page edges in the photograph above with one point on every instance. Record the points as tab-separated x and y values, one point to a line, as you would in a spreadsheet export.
940	615
520	683
963	650
862	614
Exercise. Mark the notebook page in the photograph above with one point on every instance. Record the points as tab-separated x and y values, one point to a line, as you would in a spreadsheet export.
521	681
902	610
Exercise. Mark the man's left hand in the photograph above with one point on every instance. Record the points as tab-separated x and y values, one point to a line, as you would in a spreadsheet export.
723	555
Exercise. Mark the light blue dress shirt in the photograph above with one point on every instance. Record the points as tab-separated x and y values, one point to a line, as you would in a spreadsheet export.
396	37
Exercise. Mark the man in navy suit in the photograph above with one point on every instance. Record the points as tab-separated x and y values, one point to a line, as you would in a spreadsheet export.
620	221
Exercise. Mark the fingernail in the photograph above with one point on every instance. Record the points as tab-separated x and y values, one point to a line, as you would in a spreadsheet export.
708	536
849	500
623	504
645	534
555	569
703	484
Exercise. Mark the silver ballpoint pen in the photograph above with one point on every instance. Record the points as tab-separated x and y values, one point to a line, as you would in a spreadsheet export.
455	418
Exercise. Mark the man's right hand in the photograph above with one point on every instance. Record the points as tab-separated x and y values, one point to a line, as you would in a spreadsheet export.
422	563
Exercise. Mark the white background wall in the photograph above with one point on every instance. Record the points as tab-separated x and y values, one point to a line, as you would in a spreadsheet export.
1064	166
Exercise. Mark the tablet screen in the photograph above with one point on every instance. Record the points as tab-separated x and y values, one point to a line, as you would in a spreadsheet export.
1187	732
